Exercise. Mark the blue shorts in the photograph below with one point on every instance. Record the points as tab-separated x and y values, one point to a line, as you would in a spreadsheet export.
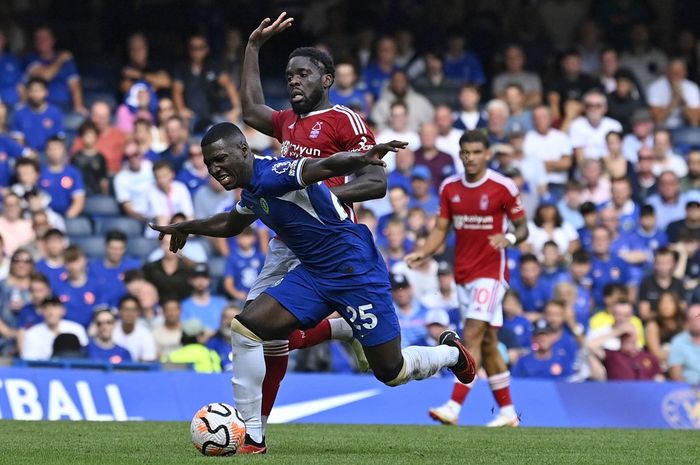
363	301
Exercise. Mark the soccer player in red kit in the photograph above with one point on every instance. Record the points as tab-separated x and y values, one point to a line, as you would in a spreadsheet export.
311	128
478	205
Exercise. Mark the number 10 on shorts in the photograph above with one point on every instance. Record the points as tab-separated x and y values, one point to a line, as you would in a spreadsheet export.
362	318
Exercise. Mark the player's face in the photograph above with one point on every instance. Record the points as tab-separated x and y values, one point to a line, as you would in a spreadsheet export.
306	84
474	157
229	163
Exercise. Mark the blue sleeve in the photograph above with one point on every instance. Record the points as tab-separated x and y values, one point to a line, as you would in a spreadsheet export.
477	71
230	269
278	176
70	70
17	121
79	184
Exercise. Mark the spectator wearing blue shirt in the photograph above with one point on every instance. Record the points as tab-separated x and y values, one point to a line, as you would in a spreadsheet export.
669	204
378	73
462	65
580	277
589	212
412	315
422	195
627	246
202	305
543	362
567	333
626	210
102	346
178	150
520	119
243	265
53	265
397	245
605	267
79	292
347	92
532	290
220	342
58	69
552	270
647	232
569	205
109	271
38	120
62	181
515	321
10	73
39	290
194	173
690	223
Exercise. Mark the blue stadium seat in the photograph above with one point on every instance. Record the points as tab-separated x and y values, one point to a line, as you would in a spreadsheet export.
93	246
100	206
217	266
128	226
141	247
79	226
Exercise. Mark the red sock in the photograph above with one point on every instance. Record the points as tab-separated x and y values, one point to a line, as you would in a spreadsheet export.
275	369
459	392
500	387
310	337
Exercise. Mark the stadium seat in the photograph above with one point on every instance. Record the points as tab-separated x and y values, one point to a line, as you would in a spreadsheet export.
217	266
128	226
141	247
206	245
93	246
100	206
79	226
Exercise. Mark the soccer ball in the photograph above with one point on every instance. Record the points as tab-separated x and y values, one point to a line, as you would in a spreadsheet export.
217	429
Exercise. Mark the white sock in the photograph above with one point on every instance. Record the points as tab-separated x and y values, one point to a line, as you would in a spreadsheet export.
424	362
248	375
340	329
264	424
509	411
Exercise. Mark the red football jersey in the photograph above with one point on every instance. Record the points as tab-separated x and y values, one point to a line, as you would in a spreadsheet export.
322	133
477	211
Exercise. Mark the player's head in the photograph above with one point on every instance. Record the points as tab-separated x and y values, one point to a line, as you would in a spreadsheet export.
474	152
227	155
310	73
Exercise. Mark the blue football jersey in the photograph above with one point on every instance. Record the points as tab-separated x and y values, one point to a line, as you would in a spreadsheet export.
308	219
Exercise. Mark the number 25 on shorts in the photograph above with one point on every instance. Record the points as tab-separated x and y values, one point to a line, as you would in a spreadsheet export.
361	318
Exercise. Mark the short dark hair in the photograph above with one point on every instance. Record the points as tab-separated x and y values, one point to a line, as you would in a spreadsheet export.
558	220
587	207
56	138
115	235
528	257
470	86
100	310
550	243
127	298
663	250
40	277
475	135
647	210
319	57
515	85
613	133
72	253
160	164
222	131
133	275
24	161
581	257
610	288
54	232
37	80
169	298
87	126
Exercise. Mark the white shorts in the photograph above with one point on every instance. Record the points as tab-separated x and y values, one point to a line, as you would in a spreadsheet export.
279	261
481	300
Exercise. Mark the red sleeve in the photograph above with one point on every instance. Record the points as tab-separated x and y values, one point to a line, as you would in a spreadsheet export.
353	133
445	204
278	121
513	205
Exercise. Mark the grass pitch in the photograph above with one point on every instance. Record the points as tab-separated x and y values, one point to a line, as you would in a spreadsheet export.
301	444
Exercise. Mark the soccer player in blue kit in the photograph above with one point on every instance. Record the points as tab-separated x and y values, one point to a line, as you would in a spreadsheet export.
340	268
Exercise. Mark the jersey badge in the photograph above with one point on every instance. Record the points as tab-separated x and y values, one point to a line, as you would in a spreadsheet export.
281	167
316	130
264	205
455	199
484	202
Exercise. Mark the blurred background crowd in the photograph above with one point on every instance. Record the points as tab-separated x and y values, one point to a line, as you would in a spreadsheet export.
591	107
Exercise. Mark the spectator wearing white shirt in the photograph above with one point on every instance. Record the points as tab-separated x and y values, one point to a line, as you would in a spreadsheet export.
548	225
398	130
665	159
168	196
532	168
469	116
588	132
674	100
596	187
448	136
131	333
552	146
37	341
670	203
132	183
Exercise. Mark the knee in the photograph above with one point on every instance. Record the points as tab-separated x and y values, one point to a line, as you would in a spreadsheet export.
391	376
241	335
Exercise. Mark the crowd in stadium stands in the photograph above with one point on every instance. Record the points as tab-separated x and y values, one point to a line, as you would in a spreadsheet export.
605	151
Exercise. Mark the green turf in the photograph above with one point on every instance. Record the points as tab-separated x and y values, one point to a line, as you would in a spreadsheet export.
168	443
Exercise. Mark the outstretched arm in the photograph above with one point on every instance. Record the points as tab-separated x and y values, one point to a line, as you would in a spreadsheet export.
433	242
225	224
255	113
345	163
369	183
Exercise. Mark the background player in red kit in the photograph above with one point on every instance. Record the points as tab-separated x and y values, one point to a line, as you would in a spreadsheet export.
478	206
311	128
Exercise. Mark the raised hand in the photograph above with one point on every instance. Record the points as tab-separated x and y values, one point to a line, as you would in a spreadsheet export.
414	259
178	239
266	29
